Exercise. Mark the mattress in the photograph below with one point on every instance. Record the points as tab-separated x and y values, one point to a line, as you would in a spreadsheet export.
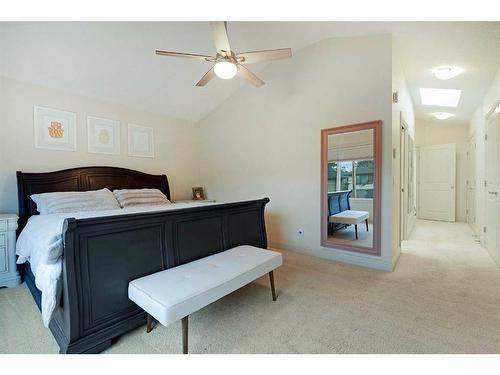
29	278
40	244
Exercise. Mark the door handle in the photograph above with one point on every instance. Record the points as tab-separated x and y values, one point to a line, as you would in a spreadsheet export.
493	192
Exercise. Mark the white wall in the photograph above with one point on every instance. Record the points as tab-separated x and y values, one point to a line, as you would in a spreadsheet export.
404	107
266	142
478	128
443	132
175	152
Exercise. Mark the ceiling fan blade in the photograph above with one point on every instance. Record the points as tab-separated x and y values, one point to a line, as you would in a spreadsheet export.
219	32
249	76
258	56
206	78
185	55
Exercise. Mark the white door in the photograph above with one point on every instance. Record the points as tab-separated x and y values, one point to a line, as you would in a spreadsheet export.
471	184
493	186
437	182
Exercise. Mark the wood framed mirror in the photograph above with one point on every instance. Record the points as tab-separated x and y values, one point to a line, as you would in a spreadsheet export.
351	168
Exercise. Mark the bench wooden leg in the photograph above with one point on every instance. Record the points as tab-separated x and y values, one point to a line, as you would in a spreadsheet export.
366	221
356	230
185	335
148	326
271	279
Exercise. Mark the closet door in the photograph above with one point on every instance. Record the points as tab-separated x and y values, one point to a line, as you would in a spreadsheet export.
493	186
437	182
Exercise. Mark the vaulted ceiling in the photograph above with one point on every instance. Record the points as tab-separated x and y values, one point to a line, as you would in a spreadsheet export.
116	61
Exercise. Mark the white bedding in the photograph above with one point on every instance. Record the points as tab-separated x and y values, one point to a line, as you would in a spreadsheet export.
40	243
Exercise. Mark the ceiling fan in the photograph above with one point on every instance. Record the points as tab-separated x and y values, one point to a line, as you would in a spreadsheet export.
227	64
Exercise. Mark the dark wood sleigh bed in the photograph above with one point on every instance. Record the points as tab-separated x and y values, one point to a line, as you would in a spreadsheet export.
102	255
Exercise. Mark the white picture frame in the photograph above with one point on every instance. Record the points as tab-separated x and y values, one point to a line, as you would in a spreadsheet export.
103	136
140	141
54	129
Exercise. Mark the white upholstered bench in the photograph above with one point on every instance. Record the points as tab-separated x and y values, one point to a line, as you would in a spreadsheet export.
351	217
175	293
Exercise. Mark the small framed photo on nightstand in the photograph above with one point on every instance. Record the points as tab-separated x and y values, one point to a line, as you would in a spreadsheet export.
198	194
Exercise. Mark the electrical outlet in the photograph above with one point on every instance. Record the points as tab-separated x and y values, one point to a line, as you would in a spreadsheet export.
300	232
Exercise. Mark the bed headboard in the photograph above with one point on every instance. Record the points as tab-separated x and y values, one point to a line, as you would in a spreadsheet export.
81	179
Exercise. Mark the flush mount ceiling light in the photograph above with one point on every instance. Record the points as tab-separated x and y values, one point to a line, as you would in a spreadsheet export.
447	72
225	69
442	115
440	97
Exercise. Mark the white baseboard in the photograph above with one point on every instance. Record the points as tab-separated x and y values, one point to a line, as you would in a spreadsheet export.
411	222
395	258
357	259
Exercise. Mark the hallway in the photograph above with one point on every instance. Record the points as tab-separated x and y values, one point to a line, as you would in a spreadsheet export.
449	244
458	280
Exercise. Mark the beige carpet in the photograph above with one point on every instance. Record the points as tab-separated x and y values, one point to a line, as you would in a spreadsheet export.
444	297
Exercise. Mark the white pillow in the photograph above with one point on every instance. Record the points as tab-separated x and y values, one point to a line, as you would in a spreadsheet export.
140	197
75	201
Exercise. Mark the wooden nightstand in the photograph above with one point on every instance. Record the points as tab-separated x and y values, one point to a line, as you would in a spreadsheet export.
8	271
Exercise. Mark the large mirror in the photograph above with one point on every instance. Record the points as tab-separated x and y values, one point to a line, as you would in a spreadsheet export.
350	187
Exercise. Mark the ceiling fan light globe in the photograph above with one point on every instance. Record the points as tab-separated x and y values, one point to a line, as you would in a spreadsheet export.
225	69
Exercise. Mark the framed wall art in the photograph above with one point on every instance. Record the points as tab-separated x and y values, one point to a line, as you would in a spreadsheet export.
103	136
54	129
140	141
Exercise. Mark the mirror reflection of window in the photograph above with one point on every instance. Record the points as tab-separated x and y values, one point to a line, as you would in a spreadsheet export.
342	178
346	175
332	176
364	178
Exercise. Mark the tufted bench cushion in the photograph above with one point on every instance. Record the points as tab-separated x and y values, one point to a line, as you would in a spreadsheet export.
349	217
177	292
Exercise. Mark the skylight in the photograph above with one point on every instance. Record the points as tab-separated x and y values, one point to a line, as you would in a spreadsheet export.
440	97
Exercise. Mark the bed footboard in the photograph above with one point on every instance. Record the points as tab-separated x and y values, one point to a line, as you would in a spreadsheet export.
102	255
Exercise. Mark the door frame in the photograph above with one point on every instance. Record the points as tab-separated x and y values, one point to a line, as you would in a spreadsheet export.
403	179
471	181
